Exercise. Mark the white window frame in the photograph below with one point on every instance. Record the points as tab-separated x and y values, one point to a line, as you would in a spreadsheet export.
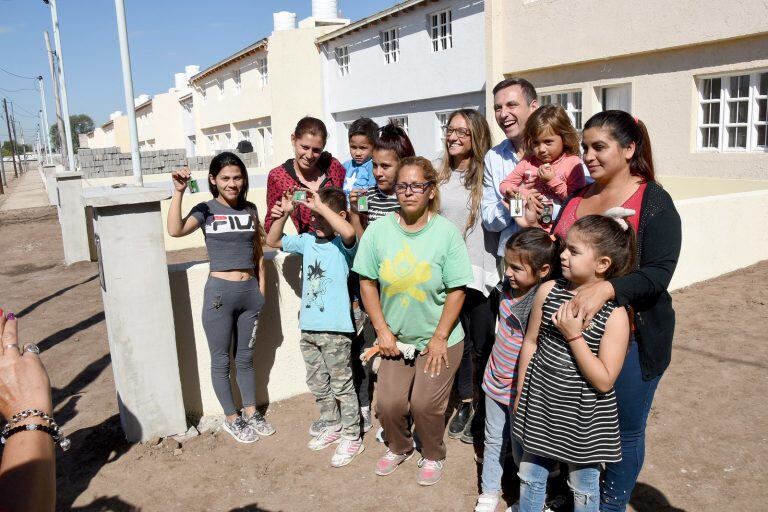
401	121
442	121
390	44
238	79
342	59
441	30
263	71
727	104
574	112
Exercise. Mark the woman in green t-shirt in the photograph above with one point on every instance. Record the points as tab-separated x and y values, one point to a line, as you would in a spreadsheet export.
420	262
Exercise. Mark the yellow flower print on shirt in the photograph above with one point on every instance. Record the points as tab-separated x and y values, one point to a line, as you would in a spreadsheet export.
404	275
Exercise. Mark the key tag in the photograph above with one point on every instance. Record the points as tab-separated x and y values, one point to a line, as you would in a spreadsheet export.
362	203
516	205
300	196
193	186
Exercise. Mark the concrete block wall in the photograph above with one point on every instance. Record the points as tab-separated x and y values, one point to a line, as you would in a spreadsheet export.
109	162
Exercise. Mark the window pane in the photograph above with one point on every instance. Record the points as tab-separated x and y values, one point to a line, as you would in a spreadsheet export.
762	106
762	88
762	136
577	100
738	112
577	120
737	137
711	89
706	89
739	86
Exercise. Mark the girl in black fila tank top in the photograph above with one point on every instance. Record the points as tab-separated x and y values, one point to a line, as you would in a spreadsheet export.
566	407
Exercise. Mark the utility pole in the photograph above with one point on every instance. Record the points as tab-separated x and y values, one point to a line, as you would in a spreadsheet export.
63	85
16	139
10	136
130	107
59	119
2	169
46	127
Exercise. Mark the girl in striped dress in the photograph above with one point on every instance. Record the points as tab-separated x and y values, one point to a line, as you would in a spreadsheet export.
565	410
530	258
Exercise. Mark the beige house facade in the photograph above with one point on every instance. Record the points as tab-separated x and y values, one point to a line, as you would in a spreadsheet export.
697	80
113	133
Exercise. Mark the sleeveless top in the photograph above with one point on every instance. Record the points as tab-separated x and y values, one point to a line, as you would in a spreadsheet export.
568	215
560	415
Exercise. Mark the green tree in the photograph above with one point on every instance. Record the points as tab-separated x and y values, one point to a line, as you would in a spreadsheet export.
81	123
6	151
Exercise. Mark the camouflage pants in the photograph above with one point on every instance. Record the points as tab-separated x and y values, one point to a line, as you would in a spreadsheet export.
329	377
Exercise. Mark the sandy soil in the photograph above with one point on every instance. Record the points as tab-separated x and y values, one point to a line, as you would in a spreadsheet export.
706	438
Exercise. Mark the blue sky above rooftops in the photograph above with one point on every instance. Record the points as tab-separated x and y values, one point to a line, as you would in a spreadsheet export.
164	36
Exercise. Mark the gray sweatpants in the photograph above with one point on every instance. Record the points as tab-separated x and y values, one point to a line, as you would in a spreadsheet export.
230	314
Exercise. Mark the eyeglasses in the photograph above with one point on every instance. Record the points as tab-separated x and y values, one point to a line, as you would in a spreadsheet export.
460	132
416	187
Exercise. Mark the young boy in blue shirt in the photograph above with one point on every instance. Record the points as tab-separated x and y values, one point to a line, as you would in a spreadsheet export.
325	320
362	135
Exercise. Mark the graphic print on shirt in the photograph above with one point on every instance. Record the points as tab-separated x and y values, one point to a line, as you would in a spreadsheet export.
316	285
405	274
228	223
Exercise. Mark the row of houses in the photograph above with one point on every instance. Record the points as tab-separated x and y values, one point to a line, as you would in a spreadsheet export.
696	75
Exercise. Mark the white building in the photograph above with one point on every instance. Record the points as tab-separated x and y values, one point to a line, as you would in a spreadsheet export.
412	63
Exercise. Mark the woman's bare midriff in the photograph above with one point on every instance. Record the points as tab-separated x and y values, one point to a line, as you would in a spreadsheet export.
235	275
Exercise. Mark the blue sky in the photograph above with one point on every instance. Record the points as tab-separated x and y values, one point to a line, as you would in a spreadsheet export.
164	36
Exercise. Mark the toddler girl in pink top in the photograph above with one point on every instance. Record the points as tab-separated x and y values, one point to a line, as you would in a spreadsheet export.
552	164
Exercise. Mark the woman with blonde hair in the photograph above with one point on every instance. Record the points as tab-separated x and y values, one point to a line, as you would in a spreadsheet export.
460	178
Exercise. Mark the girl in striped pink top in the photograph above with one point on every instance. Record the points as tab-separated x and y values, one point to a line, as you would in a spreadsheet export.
530	257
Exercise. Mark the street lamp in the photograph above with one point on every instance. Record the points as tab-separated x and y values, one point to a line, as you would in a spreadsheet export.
46	127
62	85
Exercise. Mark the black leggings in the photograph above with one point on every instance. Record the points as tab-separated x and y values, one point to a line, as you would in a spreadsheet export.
230	312
479	322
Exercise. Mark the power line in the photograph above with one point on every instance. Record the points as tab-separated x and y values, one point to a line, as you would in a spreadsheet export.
18	90
18	76
24	110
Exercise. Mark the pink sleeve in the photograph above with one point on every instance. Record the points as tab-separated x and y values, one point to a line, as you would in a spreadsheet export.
512	182
572	178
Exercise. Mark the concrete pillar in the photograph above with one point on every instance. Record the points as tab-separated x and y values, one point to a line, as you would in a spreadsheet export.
74	232
49	171
128	229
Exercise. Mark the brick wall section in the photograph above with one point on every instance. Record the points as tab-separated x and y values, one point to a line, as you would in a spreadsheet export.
108	162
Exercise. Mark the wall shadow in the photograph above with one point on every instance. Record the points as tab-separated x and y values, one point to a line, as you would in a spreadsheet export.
253	507
63	334
107	504
71	392
35	304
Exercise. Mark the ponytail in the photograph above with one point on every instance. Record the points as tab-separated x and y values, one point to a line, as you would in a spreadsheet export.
627	130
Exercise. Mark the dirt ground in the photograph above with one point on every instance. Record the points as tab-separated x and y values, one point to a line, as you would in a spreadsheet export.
707	434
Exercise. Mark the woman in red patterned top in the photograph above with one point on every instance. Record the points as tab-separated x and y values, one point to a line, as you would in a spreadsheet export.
311	169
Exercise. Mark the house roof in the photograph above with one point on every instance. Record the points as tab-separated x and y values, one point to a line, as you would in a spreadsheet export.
374	19
248	50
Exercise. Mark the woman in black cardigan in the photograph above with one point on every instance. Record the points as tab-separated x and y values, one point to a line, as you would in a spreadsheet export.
617	152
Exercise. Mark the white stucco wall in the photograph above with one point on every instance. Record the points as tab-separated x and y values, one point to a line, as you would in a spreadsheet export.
420	83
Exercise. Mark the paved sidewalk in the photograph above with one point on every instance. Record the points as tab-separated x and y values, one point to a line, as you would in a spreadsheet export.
26	191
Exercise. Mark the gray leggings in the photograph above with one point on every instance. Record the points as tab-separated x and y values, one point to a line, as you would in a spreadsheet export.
230	313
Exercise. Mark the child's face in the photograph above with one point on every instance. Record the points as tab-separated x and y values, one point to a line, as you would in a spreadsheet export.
579	261
548	146
385	166
360	148
306	149
521	276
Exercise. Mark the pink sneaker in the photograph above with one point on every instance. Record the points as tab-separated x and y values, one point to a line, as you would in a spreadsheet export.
347	450
324	439
431	471
388	462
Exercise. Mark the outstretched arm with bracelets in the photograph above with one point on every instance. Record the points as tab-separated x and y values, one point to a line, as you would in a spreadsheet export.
28	468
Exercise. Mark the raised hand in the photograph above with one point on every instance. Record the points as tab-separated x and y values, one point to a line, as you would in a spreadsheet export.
181	179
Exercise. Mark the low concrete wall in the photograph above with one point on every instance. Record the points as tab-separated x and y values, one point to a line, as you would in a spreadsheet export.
721	234
277	358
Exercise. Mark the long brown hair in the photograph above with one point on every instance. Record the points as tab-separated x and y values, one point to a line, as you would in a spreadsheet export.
555	119
472	178
625	130
608	238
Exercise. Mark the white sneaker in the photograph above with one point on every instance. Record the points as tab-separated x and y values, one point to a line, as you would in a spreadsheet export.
347	450
324	439
514	508
487	502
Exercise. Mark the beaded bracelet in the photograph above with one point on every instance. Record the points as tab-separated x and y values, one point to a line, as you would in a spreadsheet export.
569	340
58	438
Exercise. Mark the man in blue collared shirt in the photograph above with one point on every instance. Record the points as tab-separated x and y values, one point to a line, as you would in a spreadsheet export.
514	99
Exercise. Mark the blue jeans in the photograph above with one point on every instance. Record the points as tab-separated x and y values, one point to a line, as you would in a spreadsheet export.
498	424
584	481
633	397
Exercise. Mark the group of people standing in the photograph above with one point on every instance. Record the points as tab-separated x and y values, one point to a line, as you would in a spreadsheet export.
530	276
